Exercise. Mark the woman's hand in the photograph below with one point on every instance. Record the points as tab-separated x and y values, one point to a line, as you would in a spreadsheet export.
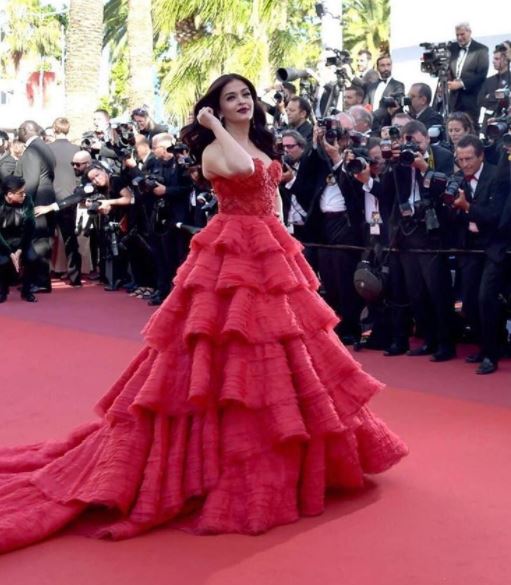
207	118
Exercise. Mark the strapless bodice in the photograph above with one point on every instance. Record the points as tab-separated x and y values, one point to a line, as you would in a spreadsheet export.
253	195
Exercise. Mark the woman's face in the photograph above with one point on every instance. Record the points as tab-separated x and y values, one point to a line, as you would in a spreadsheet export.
456	131
98	178
236	103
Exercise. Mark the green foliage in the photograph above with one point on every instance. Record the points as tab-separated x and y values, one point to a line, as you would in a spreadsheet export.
32	31
366	25
117	100
211	37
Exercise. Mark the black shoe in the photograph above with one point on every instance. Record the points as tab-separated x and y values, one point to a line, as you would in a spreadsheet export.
349	339
155	301
40	289
395	349
443	355
29	297
486	367
3	297
475	358
76	284
426	349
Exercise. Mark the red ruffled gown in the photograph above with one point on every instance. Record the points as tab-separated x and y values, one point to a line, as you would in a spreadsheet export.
239	412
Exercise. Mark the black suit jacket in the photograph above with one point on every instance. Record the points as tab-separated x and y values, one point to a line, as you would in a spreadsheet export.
430	118
65	180
486	204
393	87
473	74
37	167
309	185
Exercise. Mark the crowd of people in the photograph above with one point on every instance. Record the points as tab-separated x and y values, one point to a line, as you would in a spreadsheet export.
385	179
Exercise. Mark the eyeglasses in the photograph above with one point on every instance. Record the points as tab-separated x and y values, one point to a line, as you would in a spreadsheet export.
289	145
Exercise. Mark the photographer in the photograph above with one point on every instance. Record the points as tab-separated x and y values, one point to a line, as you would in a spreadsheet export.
17	227
145	125
298	113
468	67
166	189
110	203
385	87
477	199
293	145
353	96
420	99
413	192
203	203
502	79
334	216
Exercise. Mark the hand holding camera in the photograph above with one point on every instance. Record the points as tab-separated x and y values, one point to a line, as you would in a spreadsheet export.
461	201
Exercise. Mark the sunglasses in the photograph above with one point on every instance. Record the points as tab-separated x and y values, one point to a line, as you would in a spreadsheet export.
77	164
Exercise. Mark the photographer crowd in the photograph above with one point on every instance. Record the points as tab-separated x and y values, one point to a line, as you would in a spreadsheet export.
401	199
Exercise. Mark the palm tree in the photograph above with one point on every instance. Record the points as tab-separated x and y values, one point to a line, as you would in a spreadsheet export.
366	25
83	60
211	37
140	51
32	31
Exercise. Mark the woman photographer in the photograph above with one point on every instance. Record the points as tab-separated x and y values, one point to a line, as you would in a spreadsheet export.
17	224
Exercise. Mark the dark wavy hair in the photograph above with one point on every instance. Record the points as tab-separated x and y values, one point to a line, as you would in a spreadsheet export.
11	183
197	137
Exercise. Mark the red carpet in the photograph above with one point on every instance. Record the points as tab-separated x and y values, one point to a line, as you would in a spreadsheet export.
442	517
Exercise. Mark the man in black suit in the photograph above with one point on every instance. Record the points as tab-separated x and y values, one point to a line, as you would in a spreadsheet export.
416	218
298	112
501	79
7	161
480	203
64	184
37	167
385	87
420	96
468	67
335	215
477	211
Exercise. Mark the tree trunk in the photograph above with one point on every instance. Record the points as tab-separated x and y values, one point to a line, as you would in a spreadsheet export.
140	51
83	61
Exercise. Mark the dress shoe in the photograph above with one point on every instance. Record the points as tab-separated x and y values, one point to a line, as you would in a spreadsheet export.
155	301
443	355
474	358
426	349
486	367
76	284
3	297
395	349
29	297
348	339
40	289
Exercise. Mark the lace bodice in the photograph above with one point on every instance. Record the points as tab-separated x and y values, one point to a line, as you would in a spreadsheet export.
253	195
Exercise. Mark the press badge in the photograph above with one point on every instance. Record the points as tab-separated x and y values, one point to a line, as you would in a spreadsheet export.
374	226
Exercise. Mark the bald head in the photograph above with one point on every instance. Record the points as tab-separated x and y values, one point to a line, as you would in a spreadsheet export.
28	129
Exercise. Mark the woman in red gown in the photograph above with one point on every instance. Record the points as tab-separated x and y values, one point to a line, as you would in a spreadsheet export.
242	408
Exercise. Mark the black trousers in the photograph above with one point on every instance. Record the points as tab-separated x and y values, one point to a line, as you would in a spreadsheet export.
491	311
169	251
44	229
470	271
66	220
336	270
8	274
429	288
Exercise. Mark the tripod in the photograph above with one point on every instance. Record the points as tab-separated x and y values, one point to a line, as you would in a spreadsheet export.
441	97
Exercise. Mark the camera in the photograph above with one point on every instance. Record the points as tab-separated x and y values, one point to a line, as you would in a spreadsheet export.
112	229
339	59
435	58
278	96
397	100
146	183
451	189
499	128
333	129
359	163
88	139
291	74
408	150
